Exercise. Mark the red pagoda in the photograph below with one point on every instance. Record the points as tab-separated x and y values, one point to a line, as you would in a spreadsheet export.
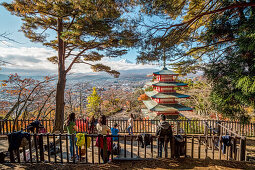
163	98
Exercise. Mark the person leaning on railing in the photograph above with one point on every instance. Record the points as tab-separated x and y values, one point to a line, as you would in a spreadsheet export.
164	129
72	129
103	129
130	124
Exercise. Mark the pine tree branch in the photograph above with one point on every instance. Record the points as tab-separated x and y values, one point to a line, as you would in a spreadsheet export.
80	53
236	5
202	47
69	26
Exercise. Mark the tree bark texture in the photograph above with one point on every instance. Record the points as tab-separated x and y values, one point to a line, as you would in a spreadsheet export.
60	93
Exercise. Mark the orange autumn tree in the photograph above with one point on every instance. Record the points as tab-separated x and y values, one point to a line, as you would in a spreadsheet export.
29	96
143	97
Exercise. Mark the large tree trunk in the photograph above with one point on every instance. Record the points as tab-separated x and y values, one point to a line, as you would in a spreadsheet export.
60	93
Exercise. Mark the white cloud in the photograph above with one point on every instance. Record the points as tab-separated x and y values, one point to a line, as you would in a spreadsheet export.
27	60
34	61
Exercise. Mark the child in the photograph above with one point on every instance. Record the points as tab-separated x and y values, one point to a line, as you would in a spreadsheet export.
115	131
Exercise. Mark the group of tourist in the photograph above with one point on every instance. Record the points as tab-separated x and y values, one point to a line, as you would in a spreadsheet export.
163	129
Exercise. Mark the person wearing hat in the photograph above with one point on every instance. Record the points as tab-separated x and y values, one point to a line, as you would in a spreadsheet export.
115	131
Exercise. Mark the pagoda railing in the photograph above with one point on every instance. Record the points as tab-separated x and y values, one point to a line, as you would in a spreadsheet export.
142	126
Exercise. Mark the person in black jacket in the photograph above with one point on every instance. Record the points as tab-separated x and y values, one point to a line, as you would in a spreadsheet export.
164	129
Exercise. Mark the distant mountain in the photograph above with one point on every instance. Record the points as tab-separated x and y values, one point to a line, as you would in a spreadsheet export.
126	61
134	74
131	75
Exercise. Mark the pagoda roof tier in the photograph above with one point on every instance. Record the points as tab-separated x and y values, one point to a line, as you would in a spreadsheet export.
158	95
154	106
165	71
162	84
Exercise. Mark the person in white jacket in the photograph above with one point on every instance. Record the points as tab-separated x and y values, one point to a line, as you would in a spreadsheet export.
130	124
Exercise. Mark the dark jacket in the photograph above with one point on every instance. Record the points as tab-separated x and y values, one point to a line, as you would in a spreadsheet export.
15	138
164	129
226	142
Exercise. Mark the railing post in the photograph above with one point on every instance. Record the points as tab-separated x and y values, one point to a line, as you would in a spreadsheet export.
165	146
41	148
172	145
242	148
219	128
206	129
105	154
192	147
178	128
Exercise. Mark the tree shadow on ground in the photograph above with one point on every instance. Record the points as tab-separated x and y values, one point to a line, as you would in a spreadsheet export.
182	163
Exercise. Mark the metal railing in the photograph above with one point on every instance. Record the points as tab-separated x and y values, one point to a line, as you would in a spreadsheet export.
38	150
140	126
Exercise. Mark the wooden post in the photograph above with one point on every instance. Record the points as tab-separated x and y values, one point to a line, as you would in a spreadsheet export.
243	148
111	152
55	149
36	150
165	146
67	154
99	149
73	142
172	145
138	148
86	147
41	148
235	156
206	129
219	128
30	148
206	146
192	147
178	128
61	150
231	149
199	146
105	154
151	147
125	146
144	149
213	141
131	146
92	145
185	138
220	147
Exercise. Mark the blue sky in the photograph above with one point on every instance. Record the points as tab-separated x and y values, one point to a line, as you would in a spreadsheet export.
31	58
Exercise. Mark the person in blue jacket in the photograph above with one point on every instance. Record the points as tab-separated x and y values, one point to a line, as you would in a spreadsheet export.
115	131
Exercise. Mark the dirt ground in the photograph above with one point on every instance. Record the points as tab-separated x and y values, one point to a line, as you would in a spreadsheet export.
250	146
184	163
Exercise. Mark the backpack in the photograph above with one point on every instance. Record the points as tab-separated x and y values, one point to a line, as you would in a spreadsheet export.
164	132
